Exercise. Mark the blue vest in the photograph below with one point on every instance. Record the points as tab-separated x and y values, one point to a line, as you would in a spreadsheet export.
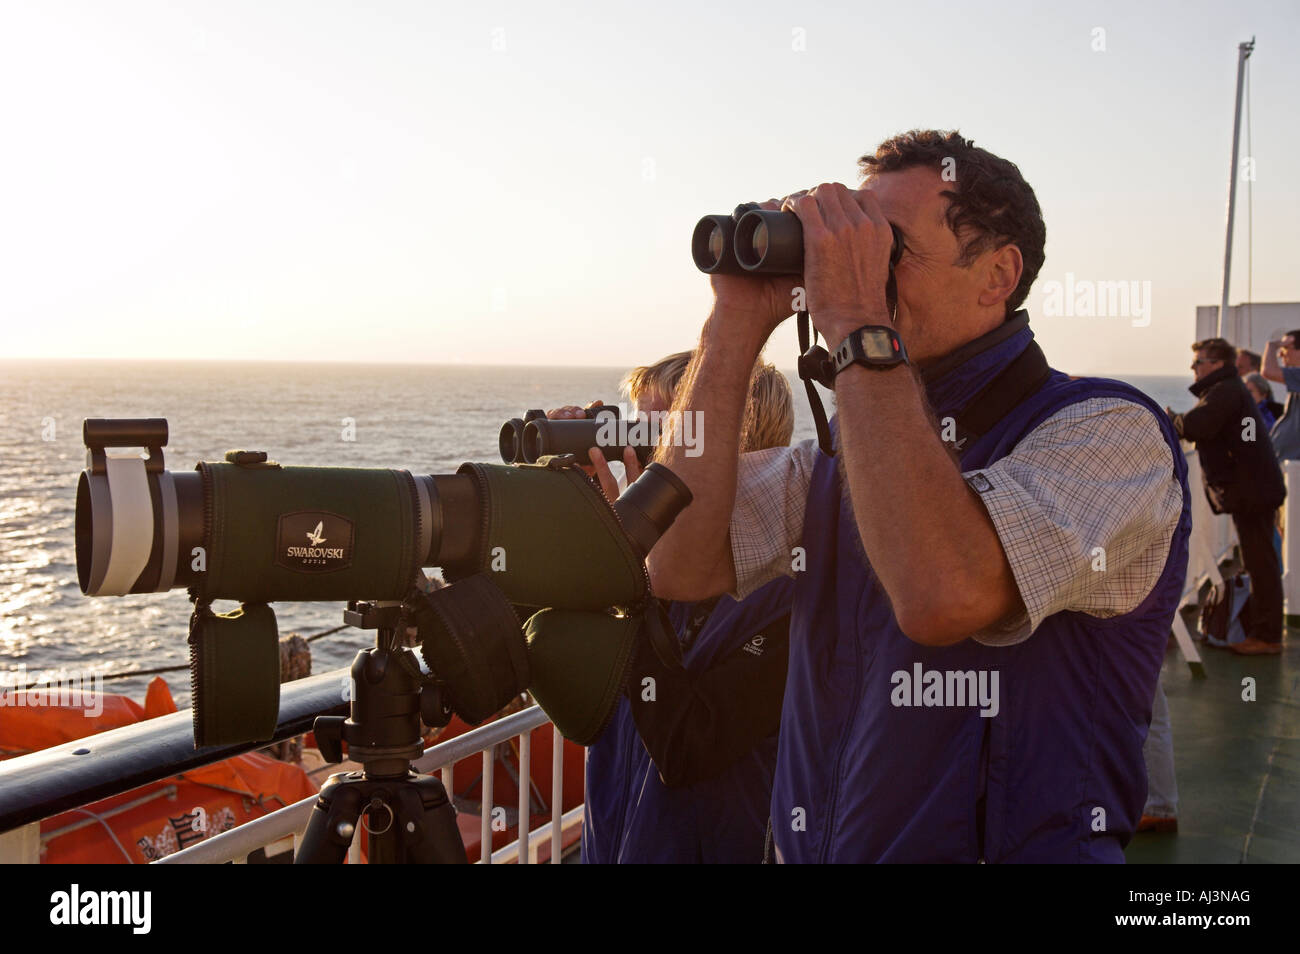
632	817
1058	771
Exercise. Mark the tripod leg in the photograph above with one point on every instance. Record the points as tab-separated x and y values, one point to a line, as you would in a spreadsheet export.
338	804
428	824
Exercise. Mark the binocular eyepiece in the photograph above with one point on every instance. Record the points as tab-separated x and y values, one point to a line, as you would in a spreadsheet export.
754	241
527	440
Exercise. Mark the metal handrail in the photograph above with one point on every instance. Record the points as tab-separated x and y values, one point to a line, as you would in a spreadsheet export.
520	851
53	780
238	843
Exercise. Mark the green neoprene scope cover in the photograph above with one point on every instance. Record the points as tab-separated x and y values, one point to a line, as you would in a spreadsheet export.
579	664
308	533
234	675
550	538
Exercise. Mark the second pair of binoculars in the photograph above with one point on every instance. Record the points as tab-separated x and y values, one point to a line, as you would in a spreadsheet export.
754	241
525	440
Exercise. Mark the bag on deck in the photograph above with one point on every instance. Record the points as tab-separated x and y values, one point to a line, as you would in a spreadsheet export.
1224	614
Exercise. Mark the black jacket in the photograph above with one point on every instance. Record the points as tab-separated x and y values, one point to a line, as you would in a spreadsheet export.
1238	466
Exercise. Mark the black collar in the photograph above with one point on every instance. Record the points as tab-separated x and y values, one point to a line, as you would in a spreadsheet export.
1214	377
933	370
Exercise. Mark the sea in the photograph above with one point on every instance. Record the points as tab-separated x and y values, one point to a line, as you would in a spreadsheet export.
423	418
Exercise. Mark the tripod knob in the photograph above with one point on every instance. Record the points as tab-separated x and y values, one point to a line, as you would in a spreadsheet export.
433	711
329	737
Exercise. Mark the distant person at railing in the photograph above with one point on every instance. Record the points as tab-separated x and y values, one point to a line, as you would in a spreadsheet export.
683	774
1248	363
1242	478
1282	364
1262	392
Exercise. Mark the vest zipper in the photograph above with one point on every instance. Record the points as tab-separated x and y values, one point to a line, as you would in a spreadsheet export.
839	761
622	815
982	801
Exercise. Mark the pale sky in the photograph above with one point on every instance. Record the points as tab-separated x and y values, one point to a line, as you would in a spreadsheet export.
516	183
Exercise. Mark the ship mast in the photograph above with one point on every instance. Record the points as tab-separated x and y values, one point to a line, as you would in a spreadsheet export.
1243	53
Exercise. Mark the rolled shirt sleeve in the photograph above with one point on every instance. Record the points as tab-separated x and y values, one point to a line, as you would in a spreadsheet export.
1085	508
767	521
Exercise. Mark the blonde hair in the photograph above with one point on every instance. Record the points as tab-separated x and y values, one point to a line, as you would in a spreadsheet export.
769	412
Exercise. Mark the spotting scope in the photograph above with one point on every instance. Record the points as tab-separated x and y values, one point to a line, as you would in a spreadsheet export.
248	528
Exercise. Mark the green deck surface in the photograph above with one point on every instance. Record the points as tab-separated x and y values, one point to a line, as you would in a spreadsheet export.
1237	762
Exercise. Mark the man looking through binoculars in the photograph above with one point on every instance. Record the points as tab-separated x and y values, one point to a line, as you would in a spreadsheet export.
978	518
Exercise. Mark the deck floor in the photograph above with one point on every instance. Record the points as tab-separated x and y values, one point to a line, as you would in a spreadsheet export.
1237	762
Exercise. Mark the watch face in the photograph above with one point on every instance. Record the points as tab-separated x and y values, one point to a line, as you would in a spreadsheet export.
879	345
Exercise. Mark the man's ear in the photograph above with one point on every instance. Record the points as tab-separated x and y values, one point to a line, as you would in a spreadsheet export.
1002	271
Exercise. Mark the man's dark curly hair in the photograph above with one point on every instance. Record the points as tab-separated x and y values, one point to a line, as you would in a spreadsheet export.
1217	349
991	197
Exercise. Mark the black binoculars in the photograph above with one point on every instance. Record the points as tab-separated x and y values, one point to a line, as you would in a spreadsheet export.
526	440
754	241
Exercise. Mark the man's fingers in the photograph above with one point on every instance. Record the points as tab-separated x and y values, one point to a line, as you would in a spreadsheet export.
870	206
805	206
631	464
565	413
831	205
603	474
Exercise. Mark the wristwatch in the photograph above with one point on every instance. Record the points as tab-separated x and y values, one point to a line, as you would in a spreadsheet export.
873	346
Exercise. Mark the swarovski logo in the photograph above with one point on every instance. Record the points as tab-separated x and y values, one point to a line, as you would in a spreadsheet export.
755	645
311	555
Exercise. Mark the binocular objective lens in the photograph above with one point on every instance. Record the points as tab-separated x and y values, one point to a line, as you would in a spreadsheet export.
716	241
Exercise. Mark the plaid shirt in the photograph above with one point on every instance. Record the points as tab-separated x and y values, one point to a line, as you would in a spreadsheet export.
1085	507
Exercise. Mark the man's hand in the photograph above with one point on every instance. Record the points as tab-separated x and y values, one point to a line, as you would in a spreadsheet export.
571	412
755	304
600	467
847	241
1272	368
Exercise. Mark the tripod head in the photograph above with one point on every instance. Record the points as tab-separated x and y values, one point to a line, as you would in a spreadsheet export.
391	693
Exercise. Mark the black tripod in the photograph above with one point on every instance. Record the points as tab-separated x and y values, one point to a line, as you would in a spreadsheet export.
409	817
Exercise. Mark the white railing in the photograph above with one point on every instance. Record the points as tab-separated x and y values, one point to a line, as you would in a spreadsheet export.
238	843
1213	535
1291	540
1212	539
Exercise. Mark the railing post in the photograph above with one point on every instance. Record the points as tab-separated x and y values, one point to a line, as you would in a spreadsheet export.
21	846
1291	542
485	805
557	792
525	796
